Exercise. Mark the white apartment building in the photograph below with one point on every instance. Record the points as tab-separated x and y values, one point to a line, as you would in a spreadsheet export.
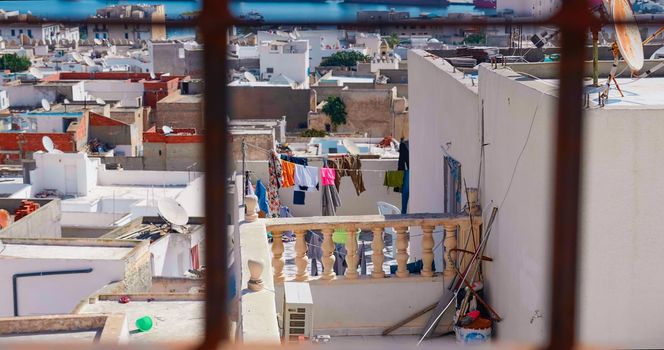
134	32
619	219
45	31
529	8
287	58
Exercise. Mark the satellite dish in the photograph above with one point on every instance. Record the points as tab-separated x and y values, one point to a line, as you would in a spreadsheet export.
77	57
48	144
45	105
66	101
167	129
628	35
88	61
36	73
100	101
171	211
250	77
351	147
153	76
97	41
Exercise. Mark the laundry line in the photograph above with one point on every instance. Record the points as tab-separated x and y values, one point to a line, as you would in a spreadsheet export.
339	169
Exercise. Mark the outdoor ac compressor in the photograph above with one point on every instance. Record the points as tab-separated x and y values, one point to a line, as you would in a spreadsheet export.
298	312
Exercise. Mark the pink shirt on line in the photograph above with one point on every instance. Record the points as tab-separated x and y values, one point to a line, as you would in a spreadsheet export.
327	176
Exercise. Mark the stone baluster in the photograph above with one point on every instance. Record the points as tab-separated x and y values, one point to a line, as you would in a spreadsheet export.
449	243
255	283
402	251
300	256
377	257
469	241
351	254
427	251
251	203
278	256
328	255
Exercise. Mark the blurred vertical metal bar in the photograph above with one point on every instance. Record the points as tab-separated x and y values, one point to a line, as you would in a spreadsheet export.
574	20
213	25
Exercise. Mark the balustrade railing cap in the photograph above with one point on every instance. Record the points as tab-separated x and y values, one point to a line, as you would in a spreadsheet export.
365	221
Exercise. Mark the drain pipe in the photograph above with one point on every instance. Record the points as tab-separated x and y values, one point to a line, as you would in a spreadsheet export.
16	276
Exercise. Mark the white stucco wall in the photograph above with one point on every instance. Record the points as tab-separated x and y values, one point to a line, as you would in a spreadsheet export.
51	172
26	95
443	94
621	197
57	294
114	89
292	65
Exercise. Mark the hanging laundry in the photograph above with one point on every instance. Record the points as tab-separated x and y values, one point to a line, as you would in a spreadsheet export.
330	201
284	212
348	166
261	193
314	250
298	197
404	156
288	170
250	188
405	192
327	176
306	178
455	173
393	179
295	160
276	181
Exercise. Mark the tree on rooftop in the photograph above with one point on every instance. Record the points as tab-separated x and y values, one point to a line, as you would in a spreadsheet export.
475	39
15	63
335	108
345	59
392	40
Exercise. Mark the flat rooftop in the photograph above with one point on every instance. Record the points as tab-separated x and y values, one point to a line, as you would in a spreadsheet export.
348	80
638	93
77	337
178	98
173	321
41	251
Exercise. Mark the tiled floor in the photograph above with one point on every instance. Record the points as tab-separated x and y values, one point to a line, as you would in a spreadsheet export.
406	341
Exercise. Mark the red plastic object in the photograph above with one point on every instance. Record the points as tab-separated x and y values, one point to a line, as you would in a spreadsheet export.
124	299
4	218
27	207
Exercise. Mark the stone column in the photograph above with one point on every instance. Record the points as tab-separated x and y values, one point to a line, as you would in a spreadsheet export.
300	256
351	255
402	251
450	243
277	256
427	251
377	257
328	255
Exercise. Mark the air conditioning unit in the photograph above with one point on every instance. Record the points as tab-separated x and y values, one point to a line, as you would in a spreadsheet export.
298	312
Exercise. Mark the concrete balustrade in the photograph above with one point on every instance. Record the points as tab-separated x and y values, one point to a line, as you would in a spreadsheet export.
457	228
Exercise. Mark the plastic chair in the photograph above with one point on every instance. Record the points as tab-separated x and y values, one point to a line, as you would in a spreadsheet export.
389	209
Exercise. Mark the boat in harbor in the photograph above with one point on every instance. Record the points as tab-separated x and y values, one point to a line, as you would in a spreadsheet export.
253	16
403	2
485	4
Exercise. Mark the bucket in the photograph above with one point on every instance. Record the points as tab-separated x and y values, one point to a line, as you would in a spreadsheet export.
144	323
467	336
